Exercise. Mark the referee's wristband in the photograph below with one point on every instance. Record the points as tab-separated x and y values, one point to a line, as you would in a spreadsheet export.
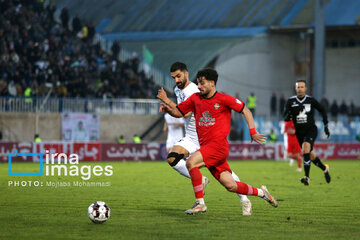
253	131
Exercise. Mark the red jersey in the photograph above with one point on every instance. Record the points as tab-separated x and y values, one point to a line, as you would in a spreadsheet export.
288	126
293	144
213	115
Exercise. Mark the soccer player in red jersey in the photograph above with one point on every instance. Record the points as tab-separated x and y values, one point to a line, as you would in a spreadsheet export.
293	149
212	112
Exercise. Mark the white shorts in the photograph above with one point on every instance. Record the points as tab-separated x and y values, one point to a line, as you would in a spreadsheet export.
190	145
171	141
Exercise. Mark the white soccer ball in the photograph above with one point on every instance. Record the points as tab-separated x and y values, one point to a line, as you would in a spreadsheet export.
99	212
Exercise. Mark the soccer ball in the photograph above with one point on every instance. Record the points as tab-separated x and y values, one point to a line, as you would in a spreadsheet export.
99	212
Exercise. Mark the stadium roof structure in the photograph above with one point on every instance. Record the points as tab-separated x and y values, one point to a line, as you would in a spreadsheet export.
189	19
167	26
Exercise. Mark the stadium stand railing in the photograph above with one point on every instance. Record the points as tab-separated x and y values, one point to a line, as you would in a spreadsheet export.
59	105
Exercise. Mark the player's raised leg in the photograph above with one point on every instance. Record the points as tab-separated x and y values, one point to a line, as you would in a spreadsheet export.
315	160
242	188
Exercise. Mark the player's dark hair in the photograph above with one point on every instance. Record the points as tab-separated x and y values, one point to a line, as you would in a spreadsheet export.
178	66
209	73
301	80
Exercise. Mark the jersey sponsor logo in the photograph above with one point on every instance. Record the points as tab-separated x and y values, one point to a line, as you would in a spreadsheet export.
182	97
301	117
216	106
294	104
206	119
238	101
307	107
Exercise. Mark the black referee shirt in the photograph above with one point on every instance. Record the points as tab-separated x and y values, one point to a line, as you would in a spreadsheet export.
301	110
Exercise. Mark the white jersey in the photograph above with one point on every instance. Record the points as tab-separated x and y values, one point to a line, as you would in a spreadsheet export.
190	124
175	133
285	139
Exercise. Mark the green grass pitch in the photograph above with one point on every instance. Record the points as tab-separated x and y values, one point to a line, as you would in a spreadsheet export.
148	199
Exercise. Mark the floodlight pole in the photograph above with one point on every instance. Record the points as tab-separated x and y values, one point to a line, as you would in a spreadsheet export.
319	53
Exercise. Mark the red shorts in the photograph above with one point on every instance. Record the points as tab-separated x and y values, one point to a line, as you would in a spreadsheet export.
214	156
293	145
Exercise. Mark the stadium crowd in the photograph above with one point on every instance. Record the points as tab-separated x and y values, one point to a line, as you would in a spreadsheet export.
342	112
37	53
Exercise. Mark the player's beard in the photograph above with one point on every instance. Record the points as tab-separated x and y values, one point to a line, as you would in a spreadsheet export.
204	92
181	84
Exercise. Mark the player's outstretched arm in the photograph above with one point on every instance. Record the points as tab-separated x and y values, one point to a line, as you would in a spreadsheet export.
172	111
257	137
163	97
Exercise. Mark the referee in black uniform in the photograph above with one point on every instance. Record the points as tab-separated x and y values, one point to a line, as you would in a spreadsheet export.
301	109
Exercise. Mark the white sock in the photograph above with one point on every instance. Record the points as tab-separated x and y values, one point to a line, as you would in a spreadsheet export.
291	161
200	200
242	197
180	167
260	193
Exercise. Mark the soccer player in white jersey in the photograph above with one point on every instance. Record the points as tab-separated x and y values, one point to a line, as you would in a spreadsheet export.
174	128
189	144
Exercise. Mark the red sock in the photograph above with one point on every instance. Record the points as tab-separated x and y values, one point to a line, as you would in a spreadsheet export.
196	180
299	162
246	189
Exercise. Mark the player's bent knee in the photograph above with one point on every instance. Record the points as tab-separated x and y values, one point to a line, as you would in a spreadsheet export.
173	158
170	160
231	187
189	164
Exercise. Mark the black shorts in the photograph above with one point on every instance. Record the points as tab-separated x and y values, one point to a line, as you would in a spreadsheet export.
307	136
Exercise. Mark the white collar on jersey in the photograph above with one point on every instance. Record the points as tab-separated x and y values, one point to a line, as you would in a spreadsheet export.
301	101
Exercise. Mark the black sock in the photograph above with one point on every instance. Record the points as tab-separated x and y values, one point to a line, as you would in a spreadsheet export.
318	163
307	163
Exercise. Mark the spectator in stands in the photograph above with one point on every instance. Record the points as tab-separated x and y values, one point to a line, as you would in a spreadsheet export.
334	110
27	95
273	105
272	136
76	25
282	104
37	138
234	136
352	110
13	91
251	103
91	33
121	139
325	103
36	50
343	111
64	15
136	139
115	49
3	88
